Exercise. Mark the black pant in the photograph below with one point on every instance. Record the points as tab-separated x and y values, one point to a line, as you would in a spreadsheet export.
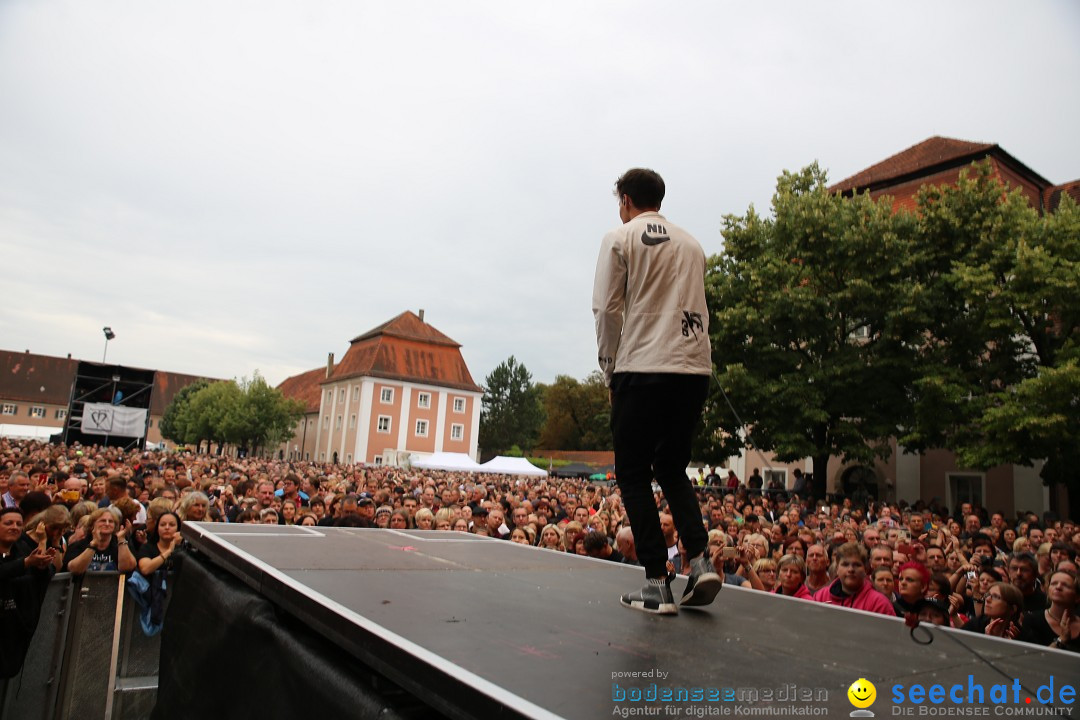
652	422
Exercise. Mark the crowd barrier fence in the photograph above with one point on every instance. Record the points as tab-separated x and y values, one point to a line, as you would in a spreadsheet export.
89	657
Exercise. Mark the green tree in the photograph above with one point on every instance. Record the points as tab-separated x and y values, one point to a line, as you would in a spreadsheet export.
512	413
204	418
173	423
577	414
1001	362
260	415
812	319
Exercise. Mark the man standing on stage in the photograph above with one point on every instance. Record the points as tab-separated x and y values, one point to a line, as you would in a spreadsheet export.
652	332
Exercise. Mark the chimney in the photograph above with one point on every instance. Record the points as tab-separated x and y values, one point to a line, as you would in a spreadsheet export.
421	314
329	365
69	356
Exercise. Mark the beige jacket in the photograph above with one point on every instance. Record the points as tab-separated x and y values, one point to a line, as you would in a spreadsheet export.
649	300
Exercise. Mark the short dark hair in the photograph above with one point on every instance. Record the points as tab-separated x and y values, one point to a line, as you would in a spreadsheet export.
595	542
352	521
1059	545
34	502
645	188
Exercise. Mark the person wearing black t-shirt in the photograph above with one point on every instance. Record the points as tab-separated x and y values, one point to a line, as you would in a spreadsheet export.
106	550
1058	626
155	555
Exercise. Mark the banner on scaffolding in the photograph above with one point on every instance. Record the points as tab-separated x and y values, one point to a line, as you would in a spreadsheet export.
105	419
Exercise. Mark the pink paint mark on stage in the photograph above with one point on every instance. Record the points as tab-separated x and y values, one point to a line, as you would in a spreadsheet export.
613	646
535	652
531	650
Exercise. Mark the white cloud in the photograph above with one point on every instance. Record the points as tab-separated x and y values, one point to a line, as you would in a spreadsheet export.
249	185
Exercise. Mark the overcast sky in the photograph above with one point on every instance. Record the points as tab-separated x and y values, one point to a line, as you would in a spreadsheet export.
246	185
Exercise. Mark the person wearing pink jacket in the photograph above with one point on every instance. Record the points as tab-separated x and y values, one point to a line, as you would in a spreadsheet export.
791	572
851	588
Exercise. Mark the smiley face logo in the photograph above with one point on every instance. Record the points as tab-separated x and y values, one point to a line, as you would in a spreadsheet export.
862	693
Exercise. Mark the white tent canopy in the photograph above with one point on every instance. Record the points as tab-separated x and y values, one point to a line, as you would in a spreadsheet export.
28	432
511	466
447	461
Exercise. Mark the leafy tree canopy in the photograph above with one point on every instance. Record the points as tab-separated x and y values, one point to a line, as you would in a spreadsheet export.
999	381
578	415
812	319
512	412
249	414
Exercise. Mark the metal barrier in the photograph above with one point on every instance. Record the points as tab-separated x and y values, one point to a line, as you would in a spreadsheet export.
32	694
89	657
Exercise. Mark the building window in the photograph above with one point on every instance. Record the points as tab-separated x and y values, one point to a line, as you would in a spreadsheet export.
348	459
771	475
37	412
356	393
341	395
457	431
326	421
352	422
378	459
61	413
384	424
421	428
9	409
322	457
386	395
423	400
965	488
307	456
459	405
337	423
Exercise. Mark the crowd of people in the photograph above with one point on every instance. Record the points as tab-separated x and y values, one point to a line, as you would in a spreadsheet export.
91	509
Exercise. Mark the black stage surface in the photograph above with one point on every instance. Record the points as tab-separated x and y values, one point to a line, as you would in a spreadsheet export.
485	628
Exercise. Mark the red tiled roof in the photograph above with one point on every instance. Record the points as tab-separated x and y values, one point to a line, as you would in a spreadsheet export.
305	388
404	348
166	385
1052	195
407	349
28	377
408	326
921	158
